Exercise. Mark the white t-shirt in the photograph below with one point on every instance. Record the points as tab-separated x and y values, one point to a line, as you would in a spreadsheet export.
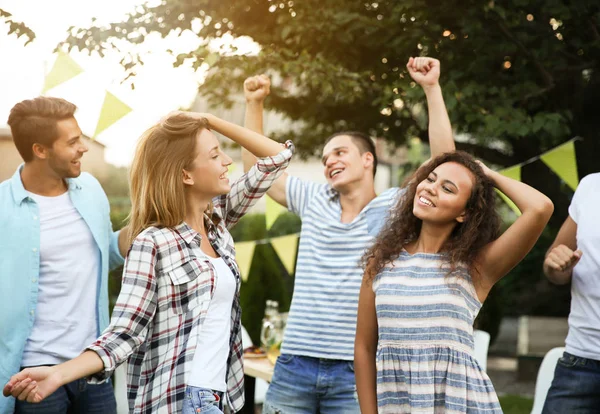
584	320
65	316
209	367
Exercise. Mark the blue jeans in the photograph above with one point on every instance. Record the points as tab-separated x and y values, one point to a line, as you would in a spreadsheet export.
202	400
77	397
303	385
575	388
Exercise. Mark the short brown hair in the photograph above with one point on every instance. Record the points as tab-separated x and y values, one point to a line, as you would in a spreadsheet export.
34	121
362	141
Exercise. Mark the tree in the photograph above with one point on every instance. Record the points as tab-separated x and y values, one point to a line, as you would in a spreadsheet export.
17	27
519	76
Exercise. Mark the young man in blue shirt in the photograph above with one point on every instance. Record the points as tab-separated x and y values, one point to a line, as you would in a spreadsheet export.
56	249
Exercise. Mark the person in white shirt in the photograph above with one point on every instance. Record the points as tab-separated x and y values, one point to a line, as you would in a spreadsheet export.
575	257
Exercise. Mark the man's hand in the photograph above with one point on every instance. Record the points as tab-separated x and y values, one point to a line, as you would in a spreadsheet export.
257	88
424	70
33	384
562	259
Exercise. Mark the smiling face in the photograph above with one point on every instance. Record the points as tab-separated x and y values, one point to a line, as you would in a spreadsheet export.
344	164
64	156
208	172
442	197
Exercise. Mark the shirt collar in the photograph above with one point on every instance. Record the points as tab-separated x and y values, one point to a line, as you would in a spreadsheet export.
20	193
332	194
189	235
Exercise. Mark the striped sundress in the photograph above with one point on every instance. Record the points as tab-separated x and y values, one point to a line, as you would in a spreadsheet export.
425	360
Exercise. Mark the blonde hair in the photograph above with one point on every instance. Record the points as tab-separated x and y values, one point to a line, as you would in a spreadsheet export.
156	175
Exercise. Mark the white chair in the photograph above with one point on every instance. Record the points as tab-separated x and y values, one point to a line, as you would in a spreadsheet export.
260	390
544	378
482	343
120	387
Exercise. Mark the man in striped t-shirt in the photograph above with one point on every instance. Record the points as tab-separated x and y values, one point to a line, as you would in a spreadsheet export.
315	372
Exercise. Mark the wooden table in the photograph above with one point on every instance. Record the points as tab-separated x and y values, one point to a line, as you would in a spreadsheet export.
259	368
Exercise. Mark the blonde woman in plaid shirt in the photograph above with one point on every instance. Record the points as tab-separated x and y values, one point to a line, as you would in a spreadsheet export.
182	207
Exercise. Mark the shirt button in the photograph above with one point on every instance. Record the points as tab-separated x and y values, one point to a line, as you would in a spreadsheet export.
35	217
34	250
34	280
31	313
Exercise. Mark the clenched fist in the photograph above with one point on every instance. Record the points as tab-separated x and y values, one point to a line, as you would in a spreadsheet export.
562	258
424	70
257	88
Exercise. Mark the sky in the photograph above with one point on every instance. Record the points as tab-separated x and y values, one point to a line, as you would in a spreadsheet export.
159	88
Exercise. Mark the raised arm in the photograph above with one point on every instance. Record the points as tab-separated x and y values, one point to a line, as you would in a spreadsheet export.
501	255
563	255
256	89
426	72
365	349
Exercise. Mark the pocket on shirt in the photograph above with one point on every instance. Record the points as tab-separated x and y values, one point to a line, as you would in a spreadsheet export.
191	285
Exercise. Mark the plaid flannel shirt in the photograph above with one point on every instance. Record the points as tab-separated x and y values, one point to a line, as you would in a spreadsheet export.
166	291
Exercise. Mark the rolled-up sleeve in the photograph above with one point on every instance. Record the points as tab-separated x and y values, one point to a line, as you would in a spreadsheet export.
134	310
251	186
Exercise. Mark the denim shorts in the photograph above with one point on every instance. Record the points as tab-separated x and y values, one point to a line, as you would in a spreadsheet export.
306	385
202	400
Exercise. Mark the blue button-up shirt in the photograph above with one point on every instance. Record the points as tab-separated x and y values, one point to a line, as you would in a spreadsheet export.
20	263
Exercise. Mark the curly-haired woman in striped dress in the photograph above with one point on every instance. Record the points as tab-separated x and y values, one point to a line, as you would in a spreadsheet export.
426	278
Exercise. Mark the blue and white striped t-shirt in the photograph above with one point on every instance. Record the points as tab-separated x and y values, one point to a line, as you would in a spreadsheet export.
322	317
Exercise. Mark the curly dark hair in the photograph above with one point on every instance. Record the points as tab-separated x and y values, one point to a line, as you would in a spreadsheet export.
481	226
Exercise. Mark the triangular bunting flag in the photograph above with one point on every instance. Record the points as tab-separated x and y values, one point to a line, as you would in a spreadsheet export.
244	252
273	211
562	161
113	109
231	168
515	174
64	68
286	247
509	202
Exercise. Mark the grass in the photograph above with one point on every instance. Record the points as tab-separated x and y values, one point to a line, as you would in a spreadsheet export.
515	404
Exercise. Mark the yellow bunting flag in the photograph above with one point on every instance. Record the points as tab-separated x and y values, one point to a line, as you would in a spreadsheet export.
274	209
515	174
562	161
231	168
64	68
112	110
286	247
244	251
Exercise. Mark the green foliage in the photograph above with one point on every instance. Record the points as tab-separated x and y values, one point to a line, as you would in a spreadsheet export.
268	278
515	404
16	27
116	182
518	77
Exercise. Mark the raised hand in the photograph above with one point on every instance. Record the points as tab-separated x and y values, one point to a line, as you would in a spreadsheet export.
562	258
424	70
257	88
33	384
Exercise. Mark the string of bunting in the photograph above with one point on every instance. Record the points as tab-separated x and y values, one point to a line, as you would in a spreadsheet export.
65	69
285	247
561	160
